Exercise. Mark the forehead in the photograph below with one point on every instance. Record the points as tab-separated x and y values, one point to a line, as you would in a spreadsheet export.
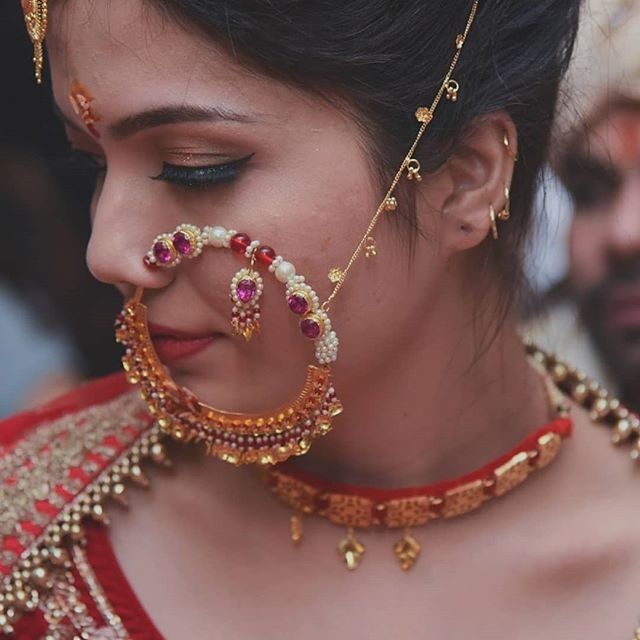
616	137
129	56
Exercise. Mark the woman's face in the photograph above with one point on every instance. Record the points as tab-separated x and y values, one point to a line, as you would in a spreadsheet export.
154	102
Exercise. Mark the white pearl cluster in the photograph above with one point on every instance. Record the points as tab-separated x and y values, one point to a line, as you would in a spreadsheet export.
327	346
253	245
217	236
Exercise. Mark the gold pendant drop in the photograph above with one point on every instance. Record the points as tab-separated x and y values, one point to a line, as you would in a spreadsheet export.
413	170
296	528
371	248
407	550
351	550
452	90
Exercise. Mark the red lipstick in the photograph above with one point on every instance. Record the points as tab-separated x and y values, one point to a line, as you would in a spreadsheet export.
172	344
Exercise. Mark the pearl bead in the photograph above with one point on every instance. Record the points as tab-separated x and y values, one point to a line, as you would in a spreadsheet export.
285	271
217	236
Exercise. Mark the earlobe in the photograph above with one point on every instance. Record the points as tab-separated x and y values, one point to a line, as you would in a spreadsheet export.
479	175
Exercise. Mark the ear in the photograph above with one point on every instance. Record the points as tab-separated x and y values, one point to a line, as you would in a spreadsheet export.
477	175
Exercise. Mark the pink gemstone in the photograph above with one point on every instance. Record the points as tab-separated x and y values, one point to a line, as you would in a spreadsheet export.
298	304
182	243
310	328
162	252
246	290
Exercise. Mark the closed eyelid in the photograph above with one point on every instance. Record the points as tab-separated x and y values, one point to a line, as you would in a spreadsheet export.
201	176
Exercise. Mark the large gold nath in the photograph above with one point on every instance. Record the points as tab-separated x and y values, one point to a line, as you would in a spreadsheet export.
233	437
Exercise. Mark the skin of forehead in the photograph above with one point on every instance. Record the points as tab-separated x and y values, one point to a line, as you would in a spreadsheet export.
126	52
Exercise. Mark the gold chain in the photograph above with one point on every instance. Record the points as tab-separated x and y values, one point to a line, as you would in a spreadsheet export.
427	116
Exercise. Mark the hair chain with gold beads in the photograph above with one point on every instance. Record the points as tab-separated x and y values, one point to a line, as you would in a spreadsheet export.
424	115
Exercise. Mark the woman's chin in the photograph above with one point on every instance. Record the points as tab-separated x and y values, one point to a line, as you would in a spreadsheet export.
236	395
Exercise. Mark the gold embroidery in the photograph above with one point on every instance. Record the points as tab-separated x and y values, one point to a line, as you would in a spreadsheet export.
64	611
56	477
97	594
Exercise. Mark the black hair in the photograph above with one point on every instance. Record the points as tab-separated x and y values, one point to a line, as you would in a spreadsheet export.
387	57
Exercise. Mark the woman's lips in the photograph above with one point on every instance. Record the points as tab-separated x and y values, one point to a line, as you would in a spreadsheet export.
172	345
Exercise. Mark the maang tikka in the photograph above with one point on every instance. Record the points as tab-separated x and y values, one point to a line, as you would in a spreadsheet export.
274	436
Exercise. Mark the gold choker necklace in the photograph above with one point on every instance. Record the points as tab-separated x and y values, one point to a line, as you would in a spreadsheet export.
364	508
403	509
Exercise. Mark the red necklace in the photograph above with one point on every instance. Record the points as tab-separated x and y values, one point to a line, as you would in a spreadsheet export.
364	507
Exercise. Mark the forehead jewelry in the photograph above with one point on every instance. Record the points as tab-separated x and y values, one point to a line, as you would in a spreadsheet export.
289	430
80	98
36	18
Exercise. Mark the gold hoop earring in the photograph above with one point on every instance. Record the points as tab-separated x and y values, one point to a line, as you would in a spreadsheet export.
493	219
507	146
505	213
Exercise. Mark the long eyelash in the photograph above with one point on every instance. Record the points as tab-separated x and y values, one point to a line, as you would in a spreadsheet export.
194	177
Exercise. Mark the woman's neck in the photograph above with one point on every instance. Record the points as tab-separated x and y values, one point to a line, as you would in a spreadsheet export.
452	404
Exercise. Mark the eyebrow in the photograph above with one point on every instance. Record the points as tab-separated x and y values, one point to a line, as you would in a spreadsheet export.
159	116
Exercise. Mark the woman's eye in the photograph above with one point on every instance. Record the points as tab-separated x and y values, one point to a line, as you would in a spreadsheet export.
592	185
194	177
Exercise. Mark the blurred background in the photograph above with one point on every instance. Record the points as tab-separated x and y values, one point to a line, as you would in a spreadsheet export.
56	320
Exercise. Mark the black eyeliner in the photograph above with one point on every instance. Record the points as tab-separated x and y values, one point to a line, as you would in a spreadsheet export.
201	176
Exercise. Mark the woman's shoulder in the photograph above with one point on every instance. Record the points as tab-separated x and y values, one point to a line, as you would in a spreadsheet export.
52	458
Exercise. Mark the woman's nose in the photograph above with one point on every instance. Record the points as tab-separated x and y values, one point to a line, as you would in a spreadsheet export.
125	222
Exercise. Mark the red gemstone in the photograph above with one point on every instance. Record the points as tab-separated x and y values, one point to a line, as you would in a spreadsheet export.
240	242
246	290
265	255
310	328
182	243
298	304
162	252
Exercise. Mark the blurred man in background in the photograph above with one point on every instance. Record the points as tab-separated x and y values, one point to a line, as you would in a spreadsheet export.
602	173
598	161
